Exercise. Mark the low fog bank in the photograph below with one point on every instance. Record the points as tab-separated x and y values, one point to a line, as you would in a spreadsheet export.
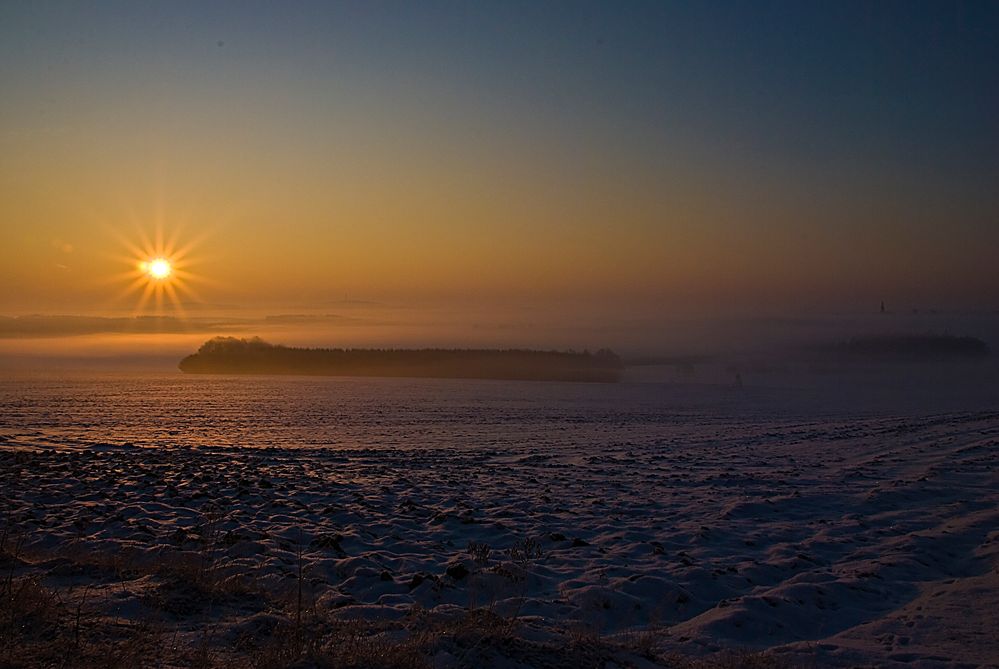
927	363
931	361
778	351
634	333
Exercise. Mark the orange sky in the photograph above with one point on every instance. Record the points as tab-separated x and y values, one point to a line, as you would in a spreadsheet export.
493	170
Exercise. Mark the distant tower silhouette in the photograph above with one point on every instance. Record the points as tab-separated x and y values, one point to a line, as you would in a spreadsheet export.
882	306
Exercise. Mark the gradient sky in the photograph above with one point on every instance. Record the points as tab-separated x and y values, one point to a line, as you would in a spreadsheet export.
639	157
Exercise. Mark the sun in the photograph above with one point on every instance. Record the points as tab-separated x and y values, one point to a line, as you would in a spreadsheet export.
157	268
161	273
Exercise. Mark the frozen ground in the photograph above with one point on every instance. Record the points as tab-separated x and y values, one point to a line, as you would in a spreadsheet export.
612	532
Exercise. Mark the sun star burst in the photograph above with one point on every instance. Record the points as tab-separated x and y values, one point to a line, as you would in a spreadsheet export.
160	275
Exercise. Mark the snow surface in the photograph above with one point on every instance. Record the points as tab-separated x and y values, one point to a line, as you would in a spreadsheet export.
828	533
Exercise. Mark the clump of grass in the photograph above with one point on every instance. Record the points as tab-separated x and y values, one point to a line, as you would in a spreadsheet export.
526	551
140	645
645	642
210	531
340	644
30	613
479	551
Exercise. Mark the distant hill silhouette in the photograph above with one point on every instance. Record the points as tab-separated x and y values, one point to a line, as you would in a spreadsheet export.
915	347
65	326
230	355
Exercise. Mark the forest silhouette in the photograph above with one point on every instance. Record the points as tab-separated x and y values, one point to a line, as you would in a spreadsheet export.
231	355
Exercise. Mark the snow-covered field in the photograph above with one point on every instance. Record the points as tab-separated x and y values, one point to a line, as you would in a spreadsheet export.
596	526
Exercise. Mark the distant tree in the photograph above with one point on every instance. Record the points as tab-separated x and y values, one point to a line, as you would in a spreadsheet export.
232	355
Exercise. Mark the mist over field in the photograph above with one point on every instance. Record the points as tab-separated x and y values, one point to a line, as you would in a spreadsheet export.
157	341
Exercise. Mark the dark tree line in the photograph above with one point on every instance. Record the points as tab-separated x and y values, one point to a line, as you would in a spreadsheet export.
230	355
916	347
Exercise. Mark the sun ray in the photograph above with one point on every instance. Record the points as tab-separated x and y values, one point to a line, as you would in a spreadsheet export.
140	306
158	233
171	291
187	291
160	270
137	284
